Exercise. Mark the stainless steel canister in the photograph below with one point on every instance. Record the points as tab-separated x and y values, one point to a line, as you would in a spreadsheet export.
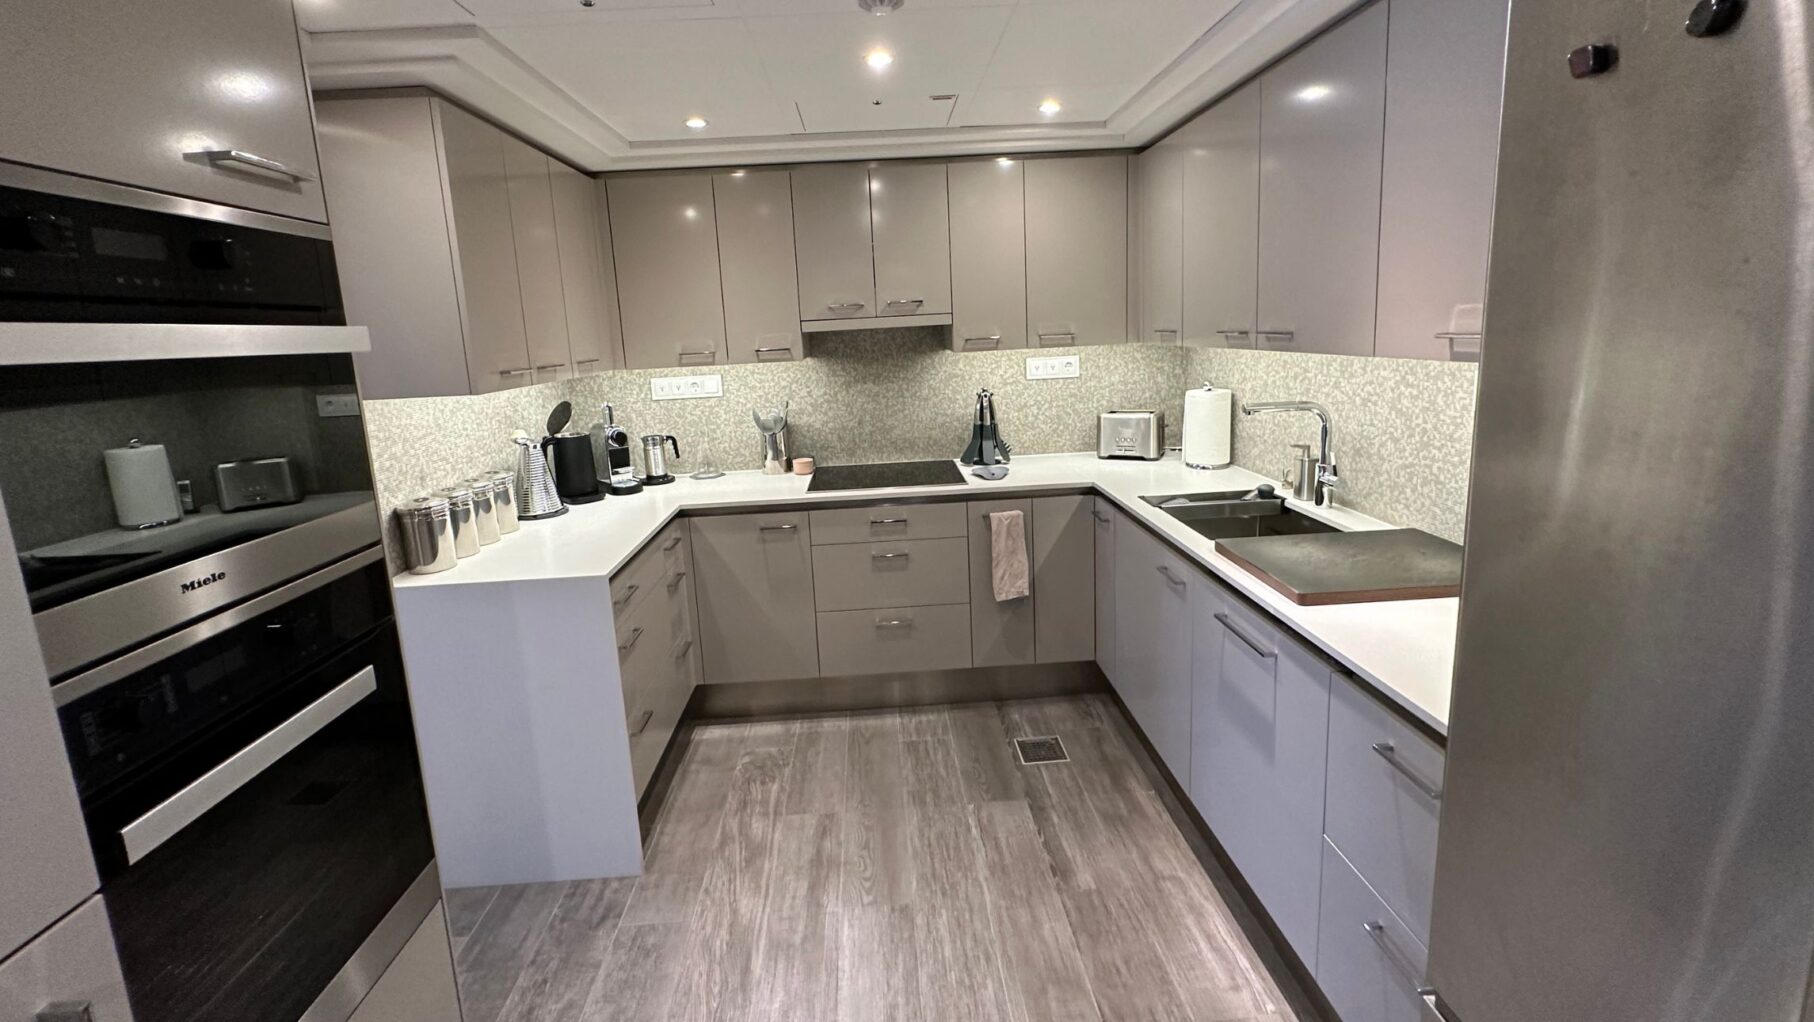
428	540
503	500
465	530
484	508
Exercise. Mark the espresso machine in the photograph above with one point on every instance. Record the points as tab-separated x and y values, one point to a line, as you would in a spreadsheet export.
611	444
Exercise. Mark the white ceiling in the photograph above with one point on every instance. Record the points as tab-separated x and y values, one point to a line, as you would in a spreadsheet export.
611	86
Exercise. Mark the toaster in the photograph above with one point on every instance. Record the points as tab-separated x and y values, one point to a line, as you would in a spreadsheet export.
256	482
1131	435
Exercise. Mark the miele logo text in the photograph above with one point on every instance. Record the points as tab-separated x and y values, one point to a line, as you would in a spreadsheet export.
206	580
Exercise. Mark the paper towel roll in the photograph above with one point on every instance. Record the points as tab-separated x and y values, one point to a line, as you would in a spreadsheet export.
144	490
1209	416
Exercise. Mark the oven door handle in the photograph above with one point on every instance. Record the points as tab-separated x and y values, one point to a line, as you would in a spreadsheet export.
143	835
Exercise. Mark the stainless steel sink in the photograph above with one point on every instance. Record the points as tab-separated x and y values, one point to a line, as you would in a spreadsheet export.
1225	514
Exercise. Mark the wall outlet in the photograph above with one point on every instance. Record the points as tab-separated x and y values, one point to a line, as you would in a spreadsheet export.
334	406
1054	367
676	388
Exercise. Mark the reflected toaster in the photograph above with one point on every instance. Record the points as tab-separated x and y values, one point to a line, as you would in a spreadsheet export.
1131	435
256	482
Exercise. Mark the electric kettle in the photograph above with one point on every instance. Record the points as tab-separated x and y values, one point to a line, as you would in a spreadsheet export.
536	496
655	462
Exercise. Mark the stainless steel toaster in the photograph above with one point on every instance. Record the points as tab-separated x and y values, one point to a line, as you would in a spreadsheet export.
1131	435
256	482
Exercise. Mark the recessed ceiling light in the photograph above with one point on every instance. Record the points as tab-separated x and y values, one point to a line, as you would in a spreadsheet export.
878	58
696	123
1050	107
1004	161
738	173
1314	93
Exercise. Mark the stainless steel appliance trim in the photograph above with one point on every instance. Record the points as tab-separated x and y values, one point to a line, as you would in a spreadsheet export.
98	626
1377	930
1258	650
253	160
1389	752
165	820
73	186
55	343
355	980
92	681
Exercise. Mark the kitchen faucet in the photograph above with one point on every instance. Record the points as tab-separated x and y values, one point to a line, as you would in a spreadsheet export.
1326	477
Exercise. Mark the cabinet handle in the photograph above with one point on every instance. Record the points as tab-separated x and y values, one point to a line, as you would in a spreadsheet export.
629	593
892	302
763	353
1282	336
899	622
1389	752
672	542
683	649
1069	339
1377	930
888	557
253	160
1169	577
846	306
588	361
1258	650
635	637
551	365
988	343
642	722
1165	335
1099	516
888	521
66	1011
1462	347
674	583
525	371
710	355
776	528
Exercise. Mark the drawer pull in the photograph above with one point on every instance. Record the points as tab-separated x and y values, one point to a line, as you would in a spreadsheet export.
66	1011
525	371
1069	338
674	583
846	306
1377	931
629	594
253	160
1099	516
1169	577
1258	650
888	521
776	528
1389	752
899	622
787	353
709	355
898	555
642	722
989	343
551	365
588	361
670	544
683	649
635	636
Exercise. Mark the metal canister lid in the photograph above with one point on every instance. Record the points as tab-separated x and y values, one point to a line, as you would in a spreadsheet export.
455	494
425	508
503	477
481	485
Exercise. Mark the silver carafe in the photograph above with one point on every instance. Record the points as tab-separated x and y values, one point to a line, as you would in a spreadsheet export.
654	459
536	496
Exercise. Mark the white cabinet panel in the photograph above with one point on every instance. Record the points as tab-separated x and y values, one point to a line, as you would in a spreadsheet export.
664	239
591	321
1160	189
1153	641
538	260
1077	250
135	92
909	225
833	243
1322	128
72	962
419	984
478	194
1221	222
1367	964
755	210
988	254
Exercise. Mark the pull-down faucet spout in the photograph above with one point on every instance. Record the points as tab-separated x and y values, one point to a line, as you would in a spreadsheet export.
1327	478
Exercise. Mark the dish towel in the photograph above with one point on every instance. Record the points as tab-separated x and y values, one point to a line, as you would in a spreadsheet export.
1008	555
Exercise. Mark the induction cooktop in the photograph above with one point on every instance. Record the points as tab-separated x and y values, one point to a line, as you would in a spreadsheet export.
872	477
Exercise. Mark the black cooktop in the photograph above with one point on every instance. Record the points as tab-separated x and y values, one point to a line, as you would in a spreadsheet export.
899	473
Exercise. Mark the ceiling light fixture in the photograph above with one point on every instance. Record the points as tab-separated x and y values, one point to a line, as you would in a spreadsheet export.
696	122
878	58
880	7
1050	107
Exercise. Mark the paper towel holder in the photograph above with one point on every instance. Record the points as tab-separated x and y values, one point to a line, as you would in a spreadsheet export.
1204	449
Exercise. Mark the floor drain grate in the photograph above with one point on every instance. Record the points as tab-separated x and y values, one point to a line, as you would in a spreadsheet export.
1047	749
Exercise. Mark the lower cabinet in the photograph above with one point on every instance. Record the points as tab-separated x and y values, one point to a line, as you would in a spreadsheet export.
1369	965
1153	588
71	964
755	593
419	985
1064	557
657	646
1004	632
888	639
1106	521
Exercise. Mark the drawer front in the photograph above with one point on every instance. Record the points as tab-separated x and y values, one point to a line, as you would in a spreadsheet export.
73	961
909	573
656	562
885	640
1368	963
1385	782
888	523
653	728
643	644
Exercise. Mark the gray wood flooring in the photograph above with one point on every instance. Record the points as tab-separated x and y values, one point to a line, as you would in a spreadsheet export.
892	865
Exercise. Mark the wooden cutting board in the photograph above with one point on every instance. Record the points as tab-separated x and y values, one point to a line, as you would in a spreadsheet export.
1351	567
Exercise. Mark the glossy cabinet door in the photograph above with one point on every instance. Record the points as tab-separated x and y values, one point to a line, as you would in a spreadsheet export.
1159	190
1367	963
1153	641
72	963
1077	250
478	194
136	93
755	210
988	254
419	984
755	593
1322	129
1001	633
909	220
1444	76
591	324
538	260
1064	578
833	243
1221	222
1107	522
665	243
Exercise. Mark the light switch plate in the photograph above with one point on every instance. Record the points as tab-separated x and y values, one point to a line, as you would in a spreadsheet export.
334	406
1054	367
677	388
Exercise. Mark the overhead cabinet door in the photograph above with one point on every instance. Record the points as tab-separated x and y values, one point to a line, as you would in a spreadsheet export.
1160	191
1077	250
1322	129
755	210
478	192
538	261
591	323
832	239
665	241
1221	216
908	218
988	254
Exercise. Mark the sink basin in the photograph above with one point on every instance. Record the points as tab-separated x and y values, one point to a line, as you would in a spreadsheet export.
1226	514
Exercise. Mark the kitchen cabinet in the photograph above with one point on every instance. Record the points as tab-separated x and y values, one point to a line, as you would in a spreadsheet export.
418	985
833	242
909	226
1322	134
988	254
657	646
538	260
1159	191
1259	744
73	962
1153	587
1002	632
1106	521
1064	584
1077	250
887	640
1368	964
664	240
891	573
1220	248
140	93
755	214
754	577
1444	75
585	283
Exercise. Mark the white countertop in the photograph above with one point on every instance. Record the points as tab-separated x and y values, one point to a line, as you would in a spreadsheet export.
1405	648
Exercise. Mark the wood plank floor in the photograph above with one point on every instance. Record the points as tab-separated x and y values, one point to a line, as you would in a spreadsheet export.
898	864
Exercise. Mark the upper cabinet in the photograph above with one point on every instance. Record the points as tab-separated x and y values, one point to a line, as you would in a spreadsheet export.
1159	191
1220	153
587	288
538	259
1443	90
908	223
988	254
872	243
755	213
832	241
1077	250
1321	132
664	235
204	99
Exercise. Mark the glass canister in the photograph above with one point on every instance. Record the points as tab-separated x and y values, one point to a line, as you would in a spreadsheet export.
428	541
465	530
484	508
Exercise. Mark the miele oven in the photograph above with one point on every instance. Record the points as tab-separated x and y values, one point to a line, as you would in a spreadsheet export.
227	674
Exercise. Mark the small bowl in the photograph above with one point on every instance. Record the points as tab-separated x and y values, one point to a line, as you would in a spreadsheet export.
803	466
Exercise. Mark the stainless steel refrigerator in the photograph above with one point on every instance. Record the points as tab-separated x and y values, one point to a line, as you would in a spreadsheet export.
1628	828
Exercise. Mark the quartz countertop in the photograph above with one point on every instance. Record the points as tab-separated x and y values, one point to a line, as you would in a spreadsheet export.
1405	649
